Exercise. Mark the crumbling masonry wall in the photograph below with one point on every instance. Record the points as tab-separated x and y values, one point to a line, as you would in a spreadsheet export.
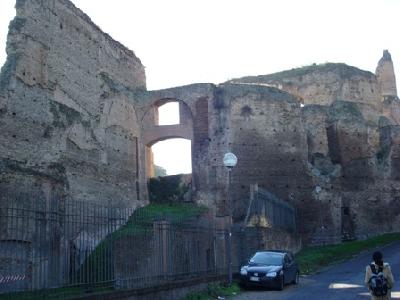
67	105
77	122
69	130
351	120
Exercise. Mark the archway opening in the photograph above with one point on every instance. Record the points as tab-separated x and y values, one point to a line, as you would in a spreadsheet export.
170	173
168	114
172	156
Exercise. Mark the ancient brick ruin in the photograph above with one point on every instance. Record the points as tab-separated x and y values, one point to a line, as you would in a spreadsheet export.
77	123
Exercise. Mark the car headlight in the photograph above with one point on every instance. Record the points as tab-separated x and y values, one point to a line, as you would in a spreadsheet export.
243	271
271	274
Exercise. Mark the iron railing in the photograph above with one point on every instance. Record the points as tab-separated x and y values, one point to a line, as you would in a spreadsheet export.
69	248
267	210
75	246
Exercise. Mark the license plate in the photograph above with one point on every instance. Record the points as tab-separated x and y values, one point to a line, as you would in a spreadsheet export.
254	279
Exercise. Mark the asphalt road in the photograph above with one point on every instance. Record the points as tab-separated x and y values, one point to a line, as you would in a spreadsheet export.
343	281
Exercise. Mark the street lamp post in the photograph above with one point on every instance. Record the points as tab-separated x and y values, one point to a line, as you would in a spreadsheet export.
230	161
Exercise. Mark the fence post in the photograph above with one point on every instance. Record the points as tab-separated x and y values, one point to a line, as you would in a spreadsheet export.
161	231
253	199
229	254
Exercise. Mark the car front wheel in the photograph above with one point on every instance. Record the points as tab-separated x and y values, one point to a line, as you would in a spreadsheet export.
243	285
296	278
281	283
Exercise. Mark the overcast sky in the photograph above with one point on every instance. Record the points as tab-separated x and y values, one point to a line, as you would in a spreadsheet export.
187	41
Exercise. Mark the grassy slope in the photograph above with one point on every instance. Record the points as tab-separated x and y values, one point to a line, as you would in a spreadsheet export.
141	220
311	259
97	268
145	216
343	70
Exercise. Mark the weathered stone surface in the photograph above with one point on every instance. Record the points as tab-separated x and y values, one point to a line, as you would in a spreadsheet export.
323	84
63	101
385	75
266	134
350	118
195	105
77	123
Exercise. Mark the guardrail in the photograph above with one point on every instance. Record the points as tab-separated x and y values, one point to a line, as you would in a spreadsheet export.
267	210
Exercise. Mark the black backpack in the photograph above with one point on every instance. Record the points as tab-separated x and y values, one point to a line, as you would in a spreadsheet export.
378	283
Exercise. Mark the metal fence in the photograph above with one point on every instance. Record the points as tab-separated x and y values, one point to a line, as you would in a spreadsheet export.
50	244
68	248
267	210
52	247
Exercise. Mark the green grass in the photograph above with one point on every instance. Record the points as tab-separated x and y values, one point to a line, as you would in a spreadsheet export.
213	291
175	212
144	217
312	259
99	266
343	70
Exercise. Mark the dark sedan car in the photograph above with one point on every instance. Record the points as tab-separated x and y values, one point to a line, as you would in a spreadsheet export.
270	269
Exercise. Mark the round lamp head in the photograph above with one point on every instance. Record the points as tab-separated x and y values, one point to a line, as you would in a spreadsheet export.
318	189
230	160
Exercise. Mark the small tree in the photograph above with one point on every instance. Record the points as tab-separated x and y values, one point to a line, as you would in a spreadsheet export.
168	189
159	171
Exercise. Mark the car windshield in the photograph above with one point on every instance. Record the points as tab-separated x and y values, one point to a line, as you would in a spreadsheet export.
267	258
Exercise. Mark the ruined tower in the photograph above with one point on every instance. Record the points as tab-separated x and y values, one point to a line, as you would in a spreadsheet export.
386	77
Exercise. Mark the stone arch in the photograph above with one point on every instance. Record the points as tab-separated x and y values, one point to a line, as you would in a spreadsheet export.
185	113
151	115
153	133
